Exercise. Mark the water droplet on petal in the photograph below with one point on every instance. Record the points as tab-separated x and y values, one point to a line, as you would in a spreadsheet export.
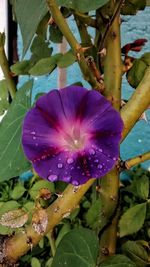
34	137
99	166
70	160
32	132
52	177
96	160
60	165
100	150
67	179
75	182
78	167
114	158
92	151
36	144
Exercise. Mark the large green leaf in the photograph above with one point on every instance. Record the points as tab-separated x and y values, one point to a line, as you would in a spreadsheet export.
29	14
82	6
132	220
79	247
118	261
12	159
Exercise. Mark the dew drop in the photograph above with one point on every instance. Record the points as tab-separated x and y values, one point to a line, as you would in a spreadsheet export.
32	132
34	137
114	158
100	150
78	167
92	151
74	182
99	166
70	160
52	177
67	179
60	165
96	160
36	144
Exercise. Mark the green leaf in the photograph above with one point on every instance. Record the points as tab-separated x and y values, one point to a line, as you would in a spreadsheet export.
45	65
35	190
79	247
3	97
117	261
82	6
130	7
14	218
93	214
66	60
146	58
21	67
18	191
8	206
136	73
40	49
64	230
12	159
55	34
139	187
35	262
29	14
136	253
132	220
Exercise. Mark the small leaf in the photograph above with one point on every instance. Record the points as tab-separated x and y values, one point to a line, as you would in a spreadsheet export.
14	218
139	187
35	262
136	73
117	261
40	221
136	252
79	247
12	159
45	65
82	6
93	214
18	191
64	230
21	67
3	97
35	190
132	220
55	34
66	60
131	7
8	206
29	14
40	49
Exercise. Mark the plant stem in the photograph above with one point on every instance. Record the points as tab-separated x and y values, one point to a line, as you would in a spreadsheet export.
85	19
76	47
110	184
136	160
137	104
18	245
5	68
116	12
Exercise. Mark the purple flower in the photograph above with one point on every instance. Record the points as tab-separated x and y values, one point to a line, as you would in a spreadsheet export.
72	135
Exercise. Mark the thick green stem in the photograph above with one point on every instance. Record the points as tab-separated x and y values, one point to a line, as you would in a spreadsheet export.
18	245
110	184
136	160
76	47
137	104
5	67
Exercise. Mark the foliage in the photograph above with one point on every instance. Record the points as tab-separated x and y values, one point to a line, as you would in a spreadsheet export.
81	235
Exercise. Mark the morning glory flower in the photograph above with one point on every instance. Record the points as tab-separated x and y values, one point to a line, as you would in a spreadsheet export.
72	135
